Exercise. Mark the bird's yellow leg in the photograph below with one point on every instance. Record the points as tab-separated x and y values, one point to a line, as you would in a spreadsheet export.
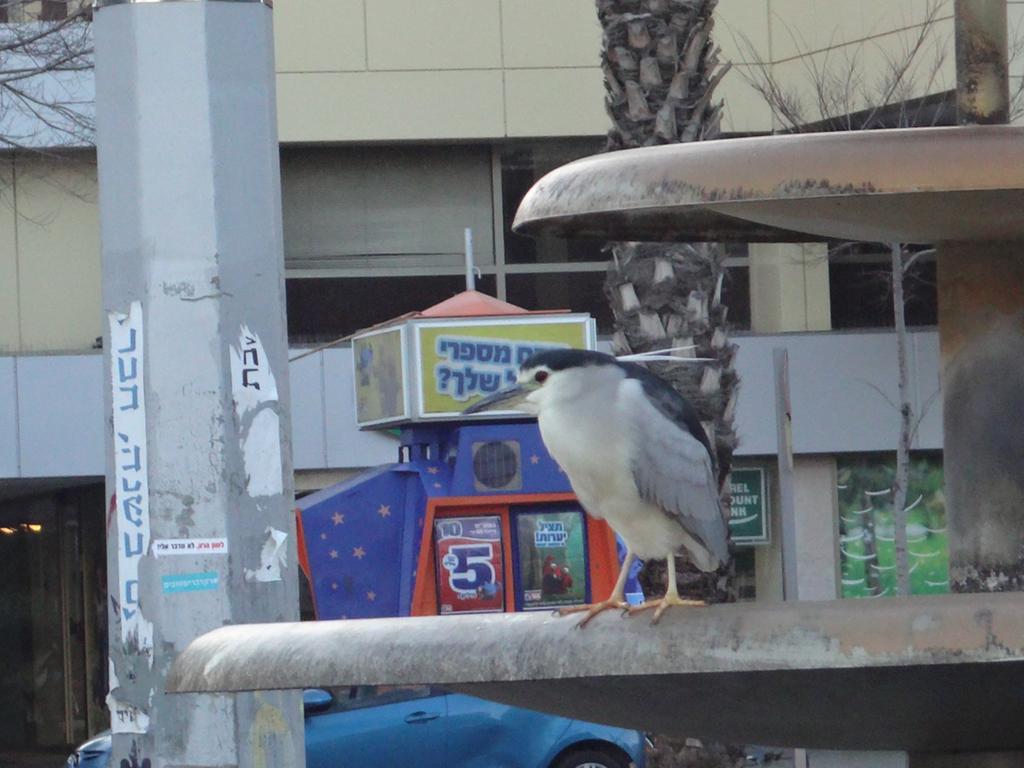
617	599
671	597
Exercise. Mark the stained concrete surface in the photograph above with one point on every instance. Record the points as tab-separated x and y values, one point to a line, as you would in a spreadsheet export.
917	674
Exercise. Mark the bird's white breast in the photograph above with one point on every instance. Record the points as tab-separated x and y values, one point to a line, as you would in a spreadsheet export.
591	437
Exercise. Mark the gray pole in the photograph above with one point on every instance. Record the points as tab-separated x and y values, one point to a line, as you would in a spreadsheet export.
200	527
787	503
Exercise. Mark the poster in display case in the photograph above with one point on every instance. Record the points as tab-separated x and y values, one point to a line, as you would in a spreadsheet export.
552	559
470	564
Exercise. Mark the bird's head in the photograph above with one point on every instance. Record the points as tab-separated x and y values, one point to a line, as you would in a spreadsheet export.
548	377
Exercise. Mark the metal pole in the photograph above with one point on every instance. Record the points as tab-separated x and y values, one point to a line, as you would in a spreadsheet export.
787	503
200	524
470	268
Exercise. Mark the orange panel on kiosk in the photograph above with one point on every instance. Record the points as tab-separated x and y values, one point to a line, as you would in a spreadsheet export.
507	553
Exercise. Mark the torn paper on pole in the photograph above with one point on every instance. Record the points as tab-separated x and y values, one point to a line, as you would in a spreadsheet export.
273	557
131	472
124	717
254	390
252	381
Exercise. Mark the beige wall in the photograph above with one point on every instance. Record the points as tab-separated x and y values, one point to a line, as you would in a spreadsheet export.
789	288
9	314
358	70
49	256
408	70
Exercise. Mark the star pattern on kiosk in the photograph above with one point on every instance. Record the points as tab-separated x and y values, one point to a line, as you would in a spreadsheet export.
535	459
354	541
432	470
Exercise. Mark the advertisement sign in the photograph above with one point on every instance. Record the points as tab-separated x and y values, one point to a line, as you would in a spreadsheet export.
377	359
748	514
867	526
470	565
551	558
461	361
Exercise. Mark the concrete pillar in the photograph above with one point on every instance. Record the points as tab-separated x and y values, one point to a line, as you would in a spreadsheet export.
982	76
981	337
200	524
768	557
789	292
981	322
789	288
817	527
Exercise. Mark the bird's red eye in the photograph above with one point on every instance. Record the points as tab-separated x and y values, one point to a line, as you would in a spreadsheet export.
540	376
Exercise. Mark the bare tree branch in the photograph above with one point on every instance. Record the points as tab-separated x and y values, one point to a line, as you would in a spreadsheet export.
46	91
903	95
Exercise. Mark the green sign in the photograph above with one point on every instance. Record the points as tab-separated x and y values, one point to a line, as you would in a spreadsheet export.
748	515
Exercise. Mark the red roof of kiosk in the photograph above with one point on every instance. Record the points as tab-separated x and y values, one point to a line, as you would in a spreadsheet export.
466	304
476	304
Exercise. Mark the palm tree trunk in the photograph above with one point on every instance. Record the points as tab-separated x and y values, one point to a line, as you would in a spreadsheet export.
661	68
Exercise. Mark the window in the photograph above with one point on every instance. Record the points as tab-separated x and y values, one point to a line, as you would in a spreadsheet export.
363	696
53	10
524	163
578	291
746	575
860	287
373	232
324	309
350	210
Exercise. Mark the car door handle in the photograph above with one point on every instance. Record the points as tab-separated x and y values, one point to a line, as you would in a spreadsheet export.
422	717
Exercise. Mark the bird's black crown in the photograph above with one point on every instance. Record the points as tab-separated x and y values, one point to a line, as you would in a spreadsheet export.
560	359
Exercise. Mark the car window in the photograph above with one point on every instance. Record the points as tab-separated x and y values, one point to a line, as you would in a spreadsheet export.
361	696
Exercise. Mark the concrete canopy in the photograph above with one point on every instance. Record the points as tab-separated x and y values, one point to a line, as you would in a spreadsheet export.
919	185
922	674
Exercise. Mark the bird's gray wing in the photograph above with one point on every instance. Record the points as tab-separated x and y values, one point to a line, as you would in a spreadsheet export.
673	469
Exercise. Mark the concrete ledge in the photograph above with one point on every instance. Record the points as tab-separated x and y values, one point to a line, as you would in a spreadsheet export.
922	674
909	185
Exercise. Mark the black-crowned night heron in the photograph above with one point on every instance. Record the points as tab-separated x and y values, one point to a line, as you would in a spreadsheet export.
636	455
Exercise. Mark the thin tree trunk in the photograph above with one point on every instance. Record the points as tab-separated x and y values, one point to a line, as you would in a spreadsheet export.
902	478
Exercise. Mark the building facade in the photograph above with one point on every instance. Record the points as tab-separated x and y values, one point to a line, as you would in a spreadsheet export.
402	123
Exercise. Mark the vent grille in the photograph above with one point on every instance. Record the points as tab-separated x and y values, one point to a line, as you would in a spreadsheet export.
497	466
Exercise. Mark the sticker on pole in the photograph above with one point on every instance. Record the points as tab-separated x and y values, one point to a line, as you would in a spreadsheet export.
190	582
170	547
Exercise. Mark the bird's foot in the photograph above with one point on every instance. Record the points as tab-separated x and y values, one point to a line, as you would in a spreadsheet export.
592	609
663	604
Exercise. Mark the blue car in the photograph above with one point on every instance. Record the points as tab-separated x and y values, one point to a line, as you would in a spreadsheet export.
427	726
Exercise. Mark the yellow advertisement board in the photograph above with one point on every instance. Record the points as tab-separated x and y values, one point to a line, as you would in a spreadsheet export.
461	361
378	359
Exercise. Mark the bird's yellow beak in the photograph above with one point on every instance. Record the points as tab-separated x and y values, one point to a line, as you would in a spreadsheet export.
505	400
